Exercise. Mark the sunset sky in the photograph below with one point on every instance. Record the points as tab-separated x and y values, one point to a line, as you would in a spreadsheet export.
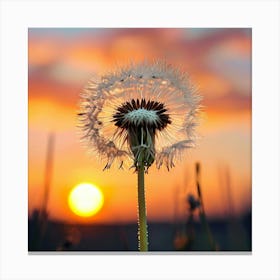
61	61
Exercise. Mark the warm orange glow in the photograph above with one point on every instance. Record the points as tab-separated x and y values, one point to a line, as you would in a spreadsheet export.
85	200
61	62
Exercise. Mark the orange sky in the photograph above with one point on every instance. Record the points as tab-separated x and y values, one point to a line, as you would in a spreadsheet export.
219	62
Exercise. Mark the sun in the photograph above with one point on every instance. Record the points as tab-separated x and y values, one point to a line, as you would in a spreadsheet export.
85	200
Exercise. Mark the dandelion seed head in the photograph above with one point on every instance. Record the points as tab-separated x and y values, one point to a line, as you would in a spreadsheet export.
141	113
141	116
146	111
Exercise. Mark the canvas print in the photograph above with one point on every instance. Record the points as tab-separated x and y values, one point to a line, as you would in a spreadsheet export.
139	140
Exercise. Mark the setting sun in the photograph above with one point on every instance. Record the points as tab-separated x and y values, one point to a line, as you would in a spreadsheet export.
85	199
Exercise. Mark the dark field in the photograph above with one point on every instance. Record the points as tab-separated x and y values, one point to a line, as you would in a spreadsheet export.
229	235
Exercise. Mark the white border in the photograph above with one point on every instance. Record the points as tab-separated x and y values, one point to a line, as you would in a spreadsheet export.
17	16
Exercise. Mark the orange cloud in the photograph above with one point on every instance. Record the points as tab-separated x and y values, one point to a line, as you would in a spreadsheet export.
211	85
44	51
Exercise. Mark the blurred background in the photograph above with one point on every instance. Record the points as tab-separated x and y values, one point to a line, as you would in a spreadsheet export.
202	204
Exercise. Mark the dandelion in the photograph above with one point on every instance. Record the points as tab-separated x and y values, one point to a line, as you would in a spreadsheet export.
139	115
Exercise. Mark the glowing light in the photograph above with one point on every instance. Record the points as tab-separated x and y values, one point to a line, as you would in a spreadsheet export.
85	200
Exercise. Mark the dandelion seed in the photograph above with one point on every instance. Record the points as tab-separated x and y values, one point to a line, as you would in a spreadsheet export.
143	113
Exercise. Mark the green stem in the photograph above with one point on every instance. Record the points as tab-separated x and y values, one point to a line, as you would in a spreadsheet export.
142	218
202	209
207	230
